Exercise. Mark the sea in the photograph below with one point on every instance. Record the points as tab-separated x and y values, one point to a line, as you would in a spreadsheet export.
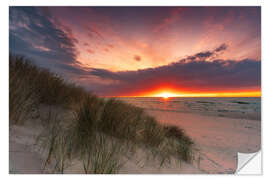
233	107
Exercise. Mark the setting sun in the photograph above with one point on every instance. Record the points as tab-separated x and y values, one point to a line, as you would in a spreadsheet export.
166	95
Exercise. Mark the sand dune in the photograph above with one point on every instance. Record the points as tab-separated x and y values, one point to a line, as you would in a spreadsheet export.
27	158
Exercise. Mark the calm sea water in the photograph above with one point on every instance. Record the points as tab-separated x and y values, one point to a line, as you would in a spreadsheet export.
244	107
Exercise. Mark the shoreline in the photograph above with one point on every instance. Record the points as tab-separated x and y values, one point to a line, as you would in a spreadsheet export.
236	108
218	138
233	115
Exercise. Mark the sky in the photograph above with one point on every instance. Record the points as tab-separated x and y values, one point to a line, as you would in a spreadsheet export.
144	51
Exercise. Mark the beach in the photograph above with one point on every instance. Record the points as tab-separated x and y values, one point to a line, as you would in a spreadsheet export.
218	139
220	127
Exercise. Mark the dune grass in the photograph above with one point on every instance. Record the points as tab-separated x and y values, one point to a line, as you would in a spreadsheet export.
129	123
47	87
103	155
57	141
21	96
87	115
99	153
103	130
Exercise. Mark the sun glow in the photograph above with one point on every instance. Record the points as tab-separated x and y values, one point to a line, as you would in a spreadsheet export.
166	95
172	93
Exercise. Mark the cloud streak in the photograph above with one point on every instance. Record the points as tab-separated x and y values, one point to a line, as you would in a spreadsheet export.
207	55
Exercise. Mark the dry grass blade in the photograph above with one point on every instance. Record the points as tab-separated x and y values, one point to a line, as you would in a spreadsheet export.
58	142
103	156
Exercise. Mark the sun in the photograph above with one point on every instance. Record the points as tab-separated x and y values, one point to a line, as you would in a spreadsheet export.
166	95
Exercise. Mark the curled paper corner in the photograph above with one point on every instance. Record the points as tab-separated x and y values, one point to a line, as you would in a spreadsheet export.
249	163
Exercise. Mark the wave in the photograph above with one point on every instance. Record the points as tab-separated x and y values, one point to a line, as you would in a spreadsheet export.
244	107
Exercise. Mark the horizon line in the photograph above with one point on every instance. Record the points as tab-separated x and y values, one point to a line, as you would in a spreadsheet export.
165	94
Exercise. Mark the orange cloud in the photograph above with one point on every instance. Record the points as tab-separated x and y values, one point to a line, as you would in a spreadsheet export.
90	51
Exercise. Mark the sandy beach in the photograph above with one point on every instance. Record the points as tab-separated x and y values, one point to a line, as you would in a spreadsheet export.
218	138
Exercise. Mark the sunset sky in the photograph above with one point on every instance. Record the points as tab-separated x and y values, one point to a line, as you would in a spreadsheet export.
145	51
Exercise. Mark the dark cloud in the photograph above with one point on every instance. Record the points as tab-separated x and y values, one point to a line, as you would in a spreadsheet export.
137	58
39	36
208	54
204	54
222	47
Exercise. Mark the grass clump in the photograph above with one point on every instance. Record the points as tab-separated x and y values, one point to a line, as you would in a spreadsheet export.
131	123
47	87
120	120
87	115
22	98
184	143
103	155
100	154
152	132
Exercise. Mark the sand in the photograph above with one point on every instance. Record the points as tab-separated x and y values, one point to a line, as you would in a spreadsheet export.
23	157
26	158
217	138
